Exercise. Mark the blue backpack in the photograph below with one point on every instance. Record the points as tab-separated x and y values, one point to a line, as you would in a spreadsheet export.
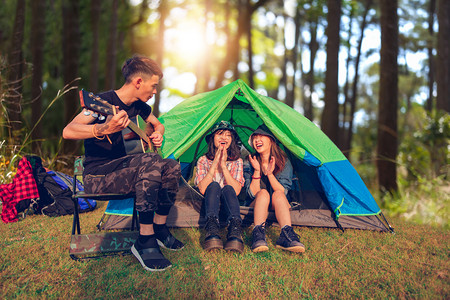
66	182
55	192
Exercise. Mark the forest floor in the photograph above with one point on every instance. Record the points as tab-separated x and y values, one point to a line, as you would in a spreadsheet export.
412	263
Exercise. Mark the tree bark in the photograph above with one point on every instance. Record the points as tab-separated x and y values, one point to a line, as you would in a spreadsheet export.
330	114
283	79
310	80
163	11
111	51
15	74
71	42
431	59
226	61
443	57
236	48
37	52
354	94
290	99
202	70
344	119
387	141
94	65
251	72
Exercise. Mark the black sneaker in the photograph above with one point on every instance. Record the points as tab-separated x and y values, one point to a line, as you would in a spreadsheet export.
289	240
259	243
166	239
212	238
150	258
234	237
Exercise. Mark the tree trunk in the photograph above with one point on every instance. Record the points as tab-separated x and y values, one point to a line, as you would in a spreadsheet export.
37	53
163	11
330	114
354	94
443	59
236	48
251	73
71	42
15	74
111	51
388	98
290	99
94	66
431	59
310	80
343	129
283	79
226	61
206	60
202	71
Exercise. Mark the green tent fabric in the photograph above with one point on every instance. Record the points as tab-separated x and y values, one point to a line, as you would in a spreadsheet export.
327	191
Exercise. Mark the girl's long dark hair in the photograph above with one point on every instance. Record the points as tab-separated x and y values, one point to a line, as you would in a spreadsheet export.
275	151
233	152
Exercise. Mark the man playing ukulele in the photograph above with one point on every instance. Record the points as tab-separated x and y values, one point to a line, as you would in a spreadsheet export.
108	169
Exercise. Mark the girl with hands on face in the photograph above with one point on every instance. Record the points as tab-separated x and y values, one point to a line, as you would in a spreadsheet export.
220	178
267	185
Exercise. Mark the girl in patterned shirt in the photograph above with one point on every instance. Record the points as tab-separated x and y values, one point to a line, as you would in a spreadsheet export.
220	178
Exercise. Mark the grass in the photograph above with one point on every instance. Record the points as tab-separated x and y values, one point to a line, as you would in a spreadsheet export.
413	263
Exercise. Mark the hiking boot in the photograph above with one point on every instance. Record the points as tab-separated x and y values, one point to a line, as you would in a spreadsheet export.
234	237
165	239
289	240
150	258
259	243
212	238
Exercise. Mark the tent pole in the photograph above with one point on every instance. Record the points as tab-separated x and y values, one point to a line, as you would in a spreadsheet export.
385	220
339	225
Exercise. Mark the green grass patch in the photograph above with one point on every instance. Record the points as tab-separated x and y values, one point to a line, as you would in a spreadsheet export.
413	263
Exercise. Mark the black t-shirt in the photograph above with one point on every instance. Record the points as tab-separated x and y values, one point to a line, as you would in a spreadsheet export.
99	152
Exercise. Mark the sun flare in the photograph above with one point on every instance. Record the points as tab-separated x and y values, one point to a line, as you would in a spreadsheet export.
188	40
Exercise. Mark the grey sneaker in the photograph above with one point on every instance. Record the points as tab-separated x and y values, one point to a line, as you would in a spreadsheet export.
259	243
289	240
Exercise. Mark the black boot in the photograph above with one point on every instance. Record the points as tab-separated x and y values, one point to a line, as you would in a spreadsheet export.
212	238
234	237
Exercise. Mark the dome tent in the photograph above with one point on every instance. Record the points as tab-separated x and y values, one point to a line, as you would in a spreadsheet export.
328	191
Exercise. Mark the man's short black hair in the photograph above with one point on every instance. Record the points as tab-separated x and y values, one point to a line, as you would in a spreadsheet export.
139	64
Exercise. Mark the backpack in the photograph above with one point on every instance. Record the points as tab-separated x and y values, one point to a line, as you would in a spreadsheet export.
55	192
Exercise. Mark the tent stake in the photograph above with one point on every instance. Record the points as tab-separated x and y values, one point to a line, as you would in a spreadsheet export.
389	225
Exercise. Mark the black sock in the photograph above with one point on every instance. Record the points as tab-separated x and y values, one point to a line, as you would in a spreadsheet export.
147	241
161	231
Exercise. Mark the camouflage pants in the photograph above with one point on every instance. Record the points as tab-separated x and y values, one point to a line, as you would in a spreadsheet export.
153	179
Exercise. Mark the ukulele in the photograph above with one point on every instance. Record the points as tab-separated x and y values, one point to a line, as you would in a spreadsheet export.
134	137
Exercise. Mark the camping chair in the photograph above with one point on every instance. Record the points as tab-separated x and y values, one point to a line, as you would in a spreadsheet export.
87	246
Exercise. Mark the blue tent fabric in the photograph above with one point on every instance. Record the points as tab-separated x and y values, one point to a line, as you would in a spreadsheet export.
345	190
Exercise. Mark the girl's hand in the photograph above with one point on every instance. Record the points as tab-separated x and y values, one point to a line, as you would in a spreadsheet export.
270	167
254	162
224	157
216	161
